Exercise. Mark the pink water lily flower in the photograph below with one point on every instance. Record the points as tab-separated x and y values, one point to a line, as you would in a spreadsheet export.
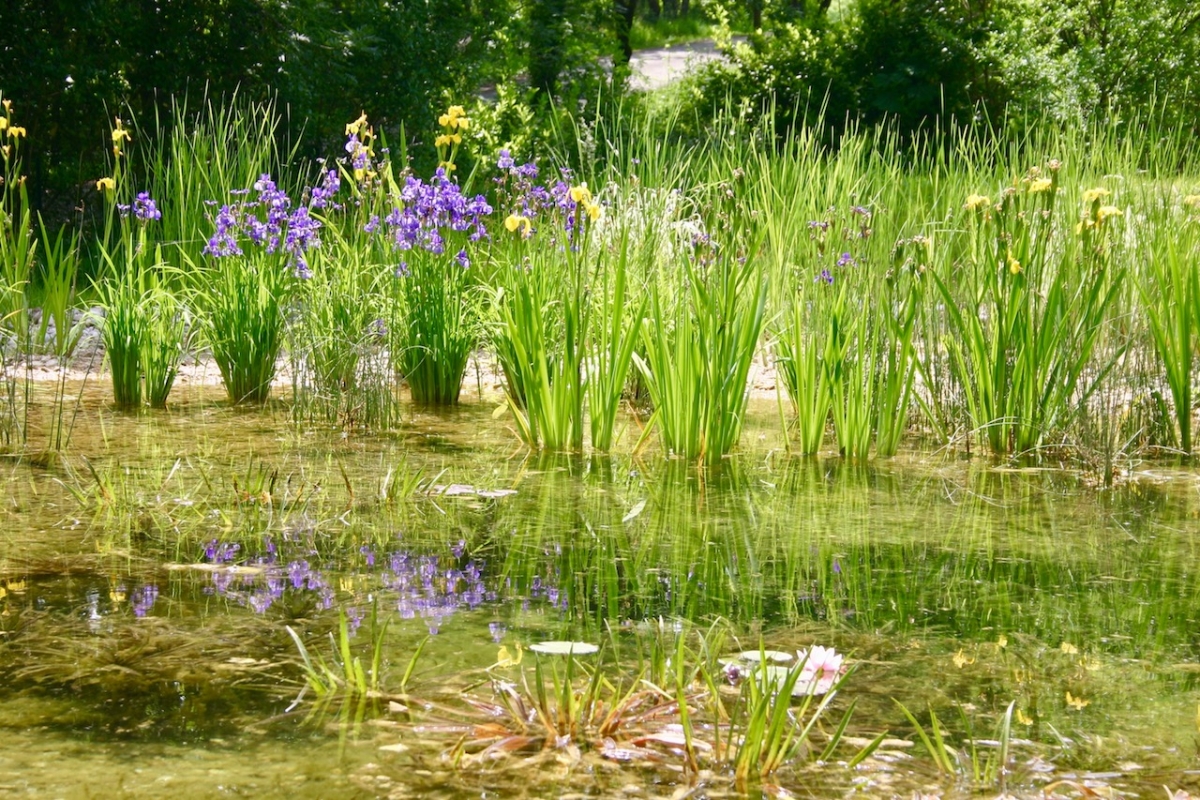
823	660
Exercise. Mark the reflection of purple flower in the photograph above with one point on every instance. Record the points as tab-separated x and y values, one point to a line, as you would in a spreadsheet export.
498	630
298	572
222	553
143	599
733	673
367	552
354	618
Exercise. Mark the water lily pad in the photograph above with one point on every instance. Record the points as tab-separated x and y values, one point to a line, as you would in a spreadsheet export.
564	648
467	490
815	684
778	656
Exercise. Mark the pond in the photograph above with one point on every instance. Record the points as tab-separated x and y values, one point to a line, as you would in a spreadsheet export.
184	594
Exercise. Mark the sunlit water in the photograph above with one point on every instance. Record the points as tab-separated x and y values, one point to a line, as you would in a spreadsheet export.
149	578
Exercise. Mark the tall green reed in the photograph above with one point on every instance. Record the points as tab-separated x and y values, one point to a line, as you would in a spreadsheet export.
1027	307
242	307
18	246
193	158
559	272
1170	297
145	328
61	256
543	315
700	341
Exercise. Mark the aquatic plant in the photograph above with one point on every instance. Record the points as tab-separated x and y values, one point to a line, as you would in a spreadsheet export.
1032	304
543	308
700	341
258	252
1170	296
991	771
344	674
146	328
18	247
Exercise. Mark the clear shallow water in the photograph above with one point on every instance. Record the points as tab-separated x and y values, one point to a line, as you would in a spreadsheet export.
150	576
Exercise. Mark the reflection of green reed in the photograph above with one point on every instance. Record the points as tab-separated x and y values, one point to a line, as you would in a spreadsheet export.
851	546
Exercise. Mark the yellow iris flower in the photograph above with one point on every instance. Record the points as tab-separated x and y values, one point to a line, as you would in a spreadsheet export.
976	202
357	125
581	194
515	221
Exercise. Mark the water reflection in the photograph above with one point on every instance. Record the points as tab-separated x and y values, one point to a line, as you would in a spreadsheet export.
951	584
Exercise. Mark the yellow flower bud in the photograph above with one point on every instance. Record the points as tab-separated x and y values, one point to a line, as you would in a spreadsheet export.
4	124
1040	185
105	185
1092	195
8	106
1014	266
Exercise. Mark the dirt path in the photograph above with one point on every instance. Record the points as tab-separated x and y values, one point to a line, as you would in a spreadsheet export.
654	69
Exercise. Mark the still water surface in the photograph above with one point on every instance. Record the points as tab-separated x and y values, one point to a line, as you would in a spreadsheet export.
148	580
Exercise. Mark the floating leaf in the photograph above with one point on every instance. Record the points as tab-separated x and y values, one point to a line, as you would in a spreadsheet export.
778	656
467	490
814	684
564	648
